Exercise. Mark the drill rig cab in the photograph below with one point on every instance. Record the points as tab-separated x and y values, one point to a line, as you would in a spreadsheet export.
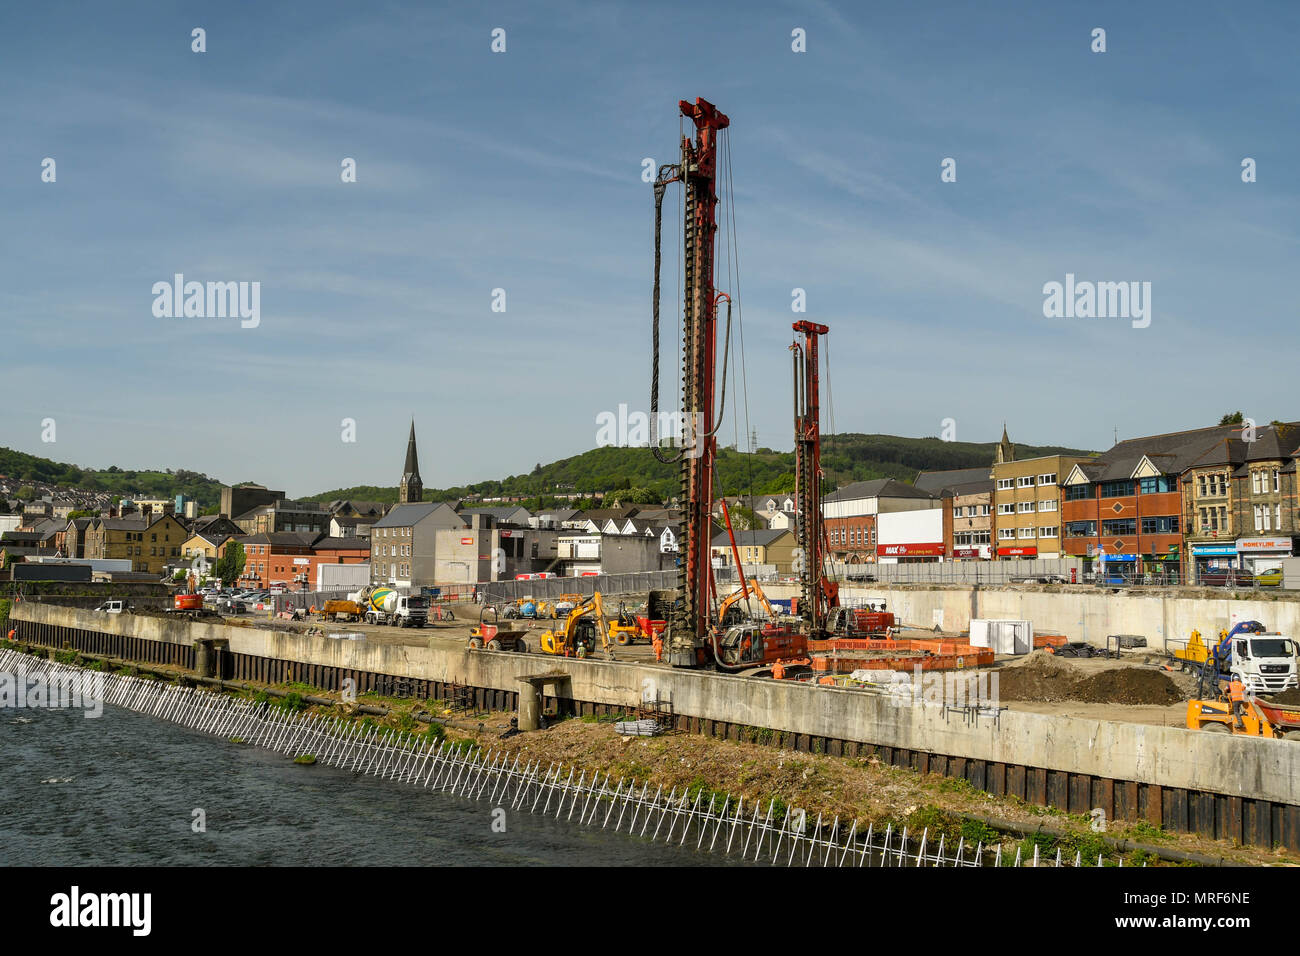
758	643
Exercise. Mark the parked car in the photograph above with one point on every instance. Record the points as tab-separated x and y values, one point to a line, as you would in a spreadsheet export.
113	607
1269	578
1226	578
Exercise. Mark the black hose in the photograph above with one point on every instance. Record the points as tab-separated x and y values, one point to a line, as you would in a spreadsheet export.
660	186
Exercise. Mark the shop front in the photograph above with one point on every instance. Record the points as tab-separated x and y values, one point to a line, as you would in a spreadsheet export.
1013	552
1262	554
1212	558
1163	568
921	553
1117	568
976	553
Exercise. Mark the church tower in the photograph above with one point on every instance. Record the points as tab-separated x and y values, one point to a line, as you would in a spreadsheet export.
1006	451
412	489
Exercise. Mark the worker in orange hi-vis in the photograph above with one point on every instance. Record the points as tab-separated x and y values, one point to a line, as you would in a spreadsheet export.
778	671
12	632
658	642
1237	696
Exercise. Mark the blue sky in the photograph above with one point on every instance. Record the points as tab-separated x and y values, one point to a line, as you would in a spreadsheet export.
522	171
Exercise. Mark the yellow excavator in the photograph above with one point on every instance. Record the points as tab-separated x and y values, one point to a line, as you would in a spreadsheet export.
577	636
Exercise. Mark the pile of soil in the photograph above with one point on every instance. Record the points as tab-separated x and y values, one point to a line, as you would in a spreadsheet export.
1040	676
1287	697
1044	678
1128	685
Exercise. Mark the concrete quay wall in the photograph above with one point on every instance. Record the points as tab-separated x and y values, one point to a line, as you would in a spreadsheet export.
1167	757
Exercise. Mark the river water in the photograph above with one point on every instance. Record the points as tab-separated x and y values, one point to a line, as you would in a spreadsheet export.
122	789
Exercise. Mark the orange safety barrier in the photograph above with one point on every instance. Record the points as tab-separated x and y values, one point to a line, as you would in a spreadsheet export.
1048	640
971	657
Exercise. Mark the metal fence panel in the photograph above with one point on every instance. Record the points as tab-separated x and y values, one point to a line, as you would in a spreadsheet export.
548	589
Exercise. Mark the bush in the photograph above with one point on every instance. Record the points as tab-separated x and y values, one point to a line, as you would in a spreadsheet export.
973	831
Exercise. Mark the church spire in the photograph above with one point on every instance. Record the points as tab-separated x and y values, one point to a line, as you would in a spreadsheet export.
1006	451
412	488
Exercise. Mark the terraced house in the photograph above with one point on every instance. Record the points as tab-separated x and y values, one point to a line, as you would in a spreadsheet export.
1239	501
150	545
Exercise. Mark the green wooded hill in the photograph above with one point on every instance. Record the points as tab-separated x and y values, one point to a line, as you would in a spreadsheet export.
846	458
20	467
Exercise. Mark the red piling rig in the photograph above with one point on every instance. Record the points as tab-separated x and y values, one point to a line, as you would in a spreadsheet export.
690	626
819	595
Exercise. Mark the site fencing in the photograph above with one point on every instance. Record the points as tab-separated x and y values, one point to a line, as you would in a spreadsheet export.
1008	571
741	830
496	592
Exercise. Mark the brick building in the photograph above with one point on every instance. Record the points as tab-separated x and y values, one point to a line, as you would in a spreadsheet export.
1126	506
967	496
150	545
851	516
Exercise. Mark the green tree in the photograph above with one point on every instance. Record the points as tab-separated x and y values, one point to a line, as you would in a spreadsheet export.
781	485
231	564
1232	418
26	492
744	519
635	496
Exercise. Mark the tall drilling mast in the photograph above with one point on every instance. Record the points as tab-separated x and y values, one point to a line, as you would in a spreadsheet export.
818	594
689	625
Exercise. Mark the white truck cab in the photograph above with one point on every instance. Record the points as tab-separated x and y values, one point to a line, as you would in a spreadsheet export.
1264	663
402	610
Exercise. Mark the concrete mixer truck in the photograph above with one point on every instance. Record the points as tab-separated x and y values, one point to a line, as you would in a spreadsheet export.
384	605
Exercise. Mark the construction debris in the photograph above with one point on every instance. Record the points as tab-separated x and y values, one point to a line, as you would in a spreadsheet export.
638	728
